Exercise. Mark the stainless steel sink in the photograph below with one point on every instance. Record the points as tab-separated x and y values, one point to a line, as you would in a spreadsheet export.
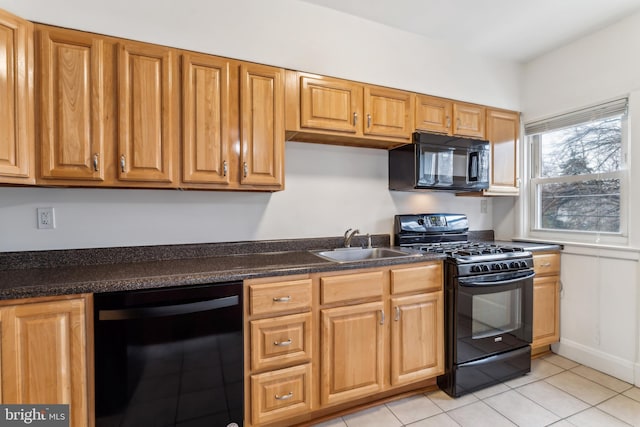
363	254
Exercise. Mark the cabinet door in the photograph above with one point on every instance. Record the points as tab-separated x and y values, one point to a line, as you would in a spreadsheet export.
147	93
44	355
205	119
17	149
262	125
388	112
352	352
433	114
71	99
468	120
502	133
546	310
330	104
417	337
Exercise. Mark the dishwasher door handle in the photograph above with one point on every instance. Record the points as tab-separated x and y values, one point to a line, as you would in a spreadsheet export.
168	310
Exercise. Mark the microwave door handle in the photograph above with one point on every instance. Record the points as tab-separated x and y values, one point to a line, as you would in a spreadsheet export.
470	283
474	166
168	310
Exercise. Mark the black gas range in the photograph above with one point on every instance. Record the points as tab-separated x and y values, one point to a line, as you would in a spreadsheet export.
488	301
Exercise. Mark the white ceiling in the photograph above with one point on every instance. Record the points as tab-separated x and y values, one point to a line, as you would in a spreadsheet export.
516	30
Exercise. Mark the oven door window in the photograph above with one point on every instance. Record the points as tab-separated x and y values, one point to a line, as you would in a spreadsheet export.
493	314
496	313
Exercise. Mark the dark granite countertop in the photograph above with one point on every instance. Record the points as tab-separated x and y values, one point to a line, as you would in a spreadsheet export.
532	246
62	272
48	273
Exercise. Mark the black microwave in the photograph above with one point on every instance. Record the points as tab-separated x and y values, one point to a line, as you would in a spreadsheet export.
440	162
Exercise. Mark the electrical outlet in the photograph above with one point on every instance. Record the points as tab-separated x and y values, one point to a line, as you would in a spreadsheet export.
46	218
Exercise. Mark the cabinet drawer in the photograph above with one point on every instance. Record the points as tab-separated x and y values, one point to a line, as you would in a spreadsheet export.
279	296
351	287
424	278
280	340
280	394
544	264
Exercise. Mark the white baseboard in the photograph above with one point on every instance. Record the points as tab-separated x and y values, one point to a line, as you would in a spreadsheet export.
622	369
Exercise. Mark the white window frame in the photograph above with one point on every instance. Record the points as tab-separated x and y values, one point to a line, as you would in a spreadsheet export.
532	132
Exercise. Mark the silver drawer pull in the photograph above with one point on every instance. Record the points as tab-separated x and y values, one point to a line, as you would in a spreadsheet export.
397	313
284	396
546	264
95	162
283	343
382	317
282	299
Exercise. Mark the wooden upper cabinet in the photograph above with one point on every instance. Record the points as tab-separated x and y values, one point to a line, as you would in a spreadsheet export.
336	111
330	104
72	111
433	114
449	117
388	112
147	95
469	120
17	149
44	356
206	137
262	126
502	132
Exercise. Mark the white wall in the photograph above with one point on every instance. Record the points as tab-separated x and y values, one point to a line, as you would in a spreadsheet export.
600	320
328	189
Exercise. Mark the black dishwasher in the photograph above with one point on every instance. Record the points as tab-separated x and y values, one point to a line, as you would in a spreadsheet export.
169	356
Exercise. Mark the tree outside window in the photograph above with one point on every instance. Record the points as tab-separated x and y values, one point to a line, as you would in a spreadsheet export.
577	174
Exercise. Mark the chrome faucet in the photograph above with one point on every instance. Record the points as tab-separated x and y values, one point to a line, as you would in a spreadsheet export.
348	235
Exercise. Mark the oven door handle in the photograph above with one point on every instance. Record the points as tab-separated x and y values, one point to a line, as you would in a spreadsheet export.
471	283
168	310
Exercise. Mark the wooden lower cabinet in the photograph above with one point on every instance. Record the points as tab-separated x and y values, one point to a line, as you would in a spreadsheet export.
352	352
546	300
416	350
44	355
324	342
280	394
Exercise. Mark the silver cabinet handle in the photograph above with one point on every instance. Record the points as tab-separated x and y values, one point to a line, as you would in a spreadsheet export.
355	118
546	264
448	122
245	169
282	299
284	396
123	163
283	343
95	162
397	313
382	317
225	168
368	120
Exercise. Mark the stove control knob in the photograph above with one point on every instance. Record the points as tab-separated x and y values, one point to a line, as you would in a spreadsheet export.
523	264
495	267
485	268
475	268
513	264
504	266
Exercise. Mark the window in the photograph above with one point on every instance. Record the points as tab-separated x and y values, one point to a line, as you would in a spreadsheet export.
578	171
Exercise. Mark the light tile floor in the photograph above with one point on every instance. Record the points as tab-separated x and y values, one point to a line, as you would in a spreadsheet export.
557	392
